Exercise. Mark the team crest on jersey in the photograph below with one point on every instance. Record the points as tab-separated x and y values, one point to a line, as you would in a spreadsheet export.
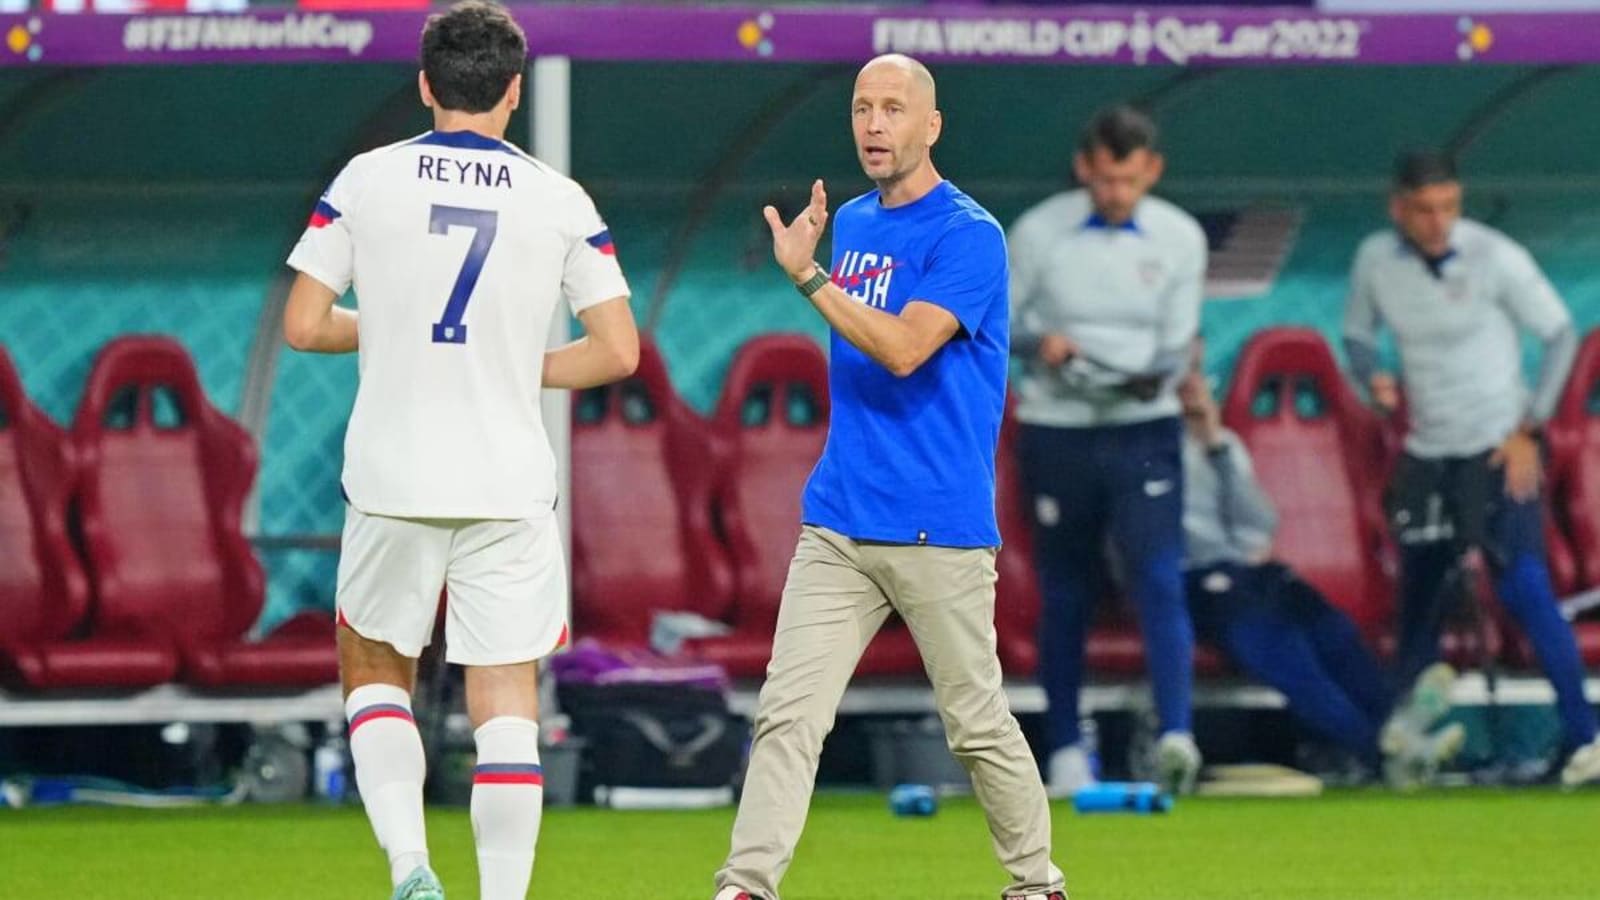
865	277
1150	272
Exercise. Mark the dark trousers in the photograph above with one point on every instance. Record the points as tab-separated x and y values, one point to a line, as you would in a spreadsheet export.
1439	509
1087	484
1282	632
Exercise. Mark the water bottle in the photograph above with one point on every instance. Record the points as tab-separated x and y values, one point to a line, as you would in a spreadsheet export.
328	770
913	800
1140	797
1089	740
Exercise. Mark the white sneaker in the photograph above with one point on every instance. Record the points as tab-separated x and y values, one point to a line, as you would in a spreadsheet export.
1416	760
734	893
1428	702
1177	762
1583	767
1069	772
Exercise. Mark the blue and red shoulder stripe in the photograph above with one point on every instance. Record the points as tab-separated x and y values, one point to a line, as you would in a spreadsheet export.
602	241
323	215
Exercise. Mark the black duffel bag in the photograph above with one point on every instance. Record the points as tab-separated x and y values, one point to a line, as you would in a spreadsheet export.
655	735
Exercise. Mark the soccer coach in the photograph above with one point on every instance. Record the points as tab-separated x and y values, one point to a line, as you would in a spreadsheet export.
898	514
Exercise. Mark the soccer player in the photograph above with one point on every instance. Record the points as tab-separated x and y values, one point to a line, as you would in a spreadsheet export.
1106	283
459	247
1465	497
899	513
1281	630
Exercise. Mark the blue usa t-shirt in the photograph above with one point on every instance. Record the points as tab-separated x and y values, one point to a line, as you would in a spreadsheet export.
911	460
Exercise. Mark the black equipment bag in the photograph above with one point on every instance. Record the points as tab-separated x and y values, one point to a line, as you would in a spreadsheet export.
655	735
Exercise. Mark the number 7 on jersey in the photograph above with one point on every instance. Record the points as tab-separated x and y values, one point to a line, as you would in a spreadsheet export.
484	223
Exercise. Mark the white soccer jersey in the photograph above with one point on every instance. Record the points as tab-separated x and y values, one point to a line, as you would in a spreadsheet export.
459	248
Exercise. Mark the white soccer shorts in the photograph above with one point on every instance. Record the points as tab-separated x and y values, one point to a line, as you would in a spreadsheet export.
506	580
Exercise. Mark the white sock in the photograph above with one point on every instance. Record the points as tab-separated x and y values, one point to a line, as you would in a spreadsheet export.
507	804
389	771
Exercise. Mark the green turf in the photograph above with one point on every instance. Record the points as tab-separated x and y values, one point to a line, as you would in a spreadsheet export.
1463	845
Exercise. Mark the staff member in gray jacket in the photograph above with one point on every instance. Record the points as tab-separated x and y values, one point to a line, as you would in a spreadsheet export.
1457	294
1105	290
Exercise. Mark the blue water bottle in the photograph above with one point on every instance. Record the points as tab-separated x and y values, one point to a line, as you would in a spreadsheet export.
328	770
1139	797
1089	740
913	800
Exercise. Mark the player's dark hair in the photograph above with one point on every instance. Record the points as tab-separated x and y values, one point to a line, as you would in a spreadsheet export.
470	54
1421	168
1120	130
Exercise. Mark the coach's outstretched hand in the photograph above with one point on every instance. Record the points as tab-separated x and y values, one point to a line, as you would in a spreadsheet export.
795	246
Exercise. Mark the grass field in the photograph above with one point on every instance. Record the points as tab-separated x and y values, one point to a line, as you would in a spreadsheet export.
1460	845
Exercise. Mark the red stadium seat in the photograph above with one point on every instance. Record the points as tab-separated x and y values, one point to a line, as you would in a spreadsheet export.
1574	436
165	475
1558	549
1115	648
1016	606
642	538
1320	454
1574	490
1325	459
771	424
44	596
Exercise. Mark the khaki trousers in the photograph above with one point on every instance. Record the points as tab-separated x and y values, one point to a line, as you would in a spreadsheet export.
837	595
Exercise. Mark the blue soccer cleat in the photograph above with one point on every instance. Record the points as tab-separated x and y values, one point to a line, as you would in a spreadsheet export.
421	884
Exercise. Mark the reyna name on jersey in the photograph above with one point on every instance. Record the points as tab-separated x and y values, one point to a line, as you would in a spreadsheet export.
459	171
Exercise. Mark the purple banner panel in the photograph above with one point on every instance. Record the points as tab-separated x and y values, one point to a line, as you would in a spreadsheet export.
938	34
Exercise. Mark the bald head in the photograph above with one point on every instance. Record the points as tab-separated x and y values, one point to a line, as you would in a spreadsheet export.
899	65
896	123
